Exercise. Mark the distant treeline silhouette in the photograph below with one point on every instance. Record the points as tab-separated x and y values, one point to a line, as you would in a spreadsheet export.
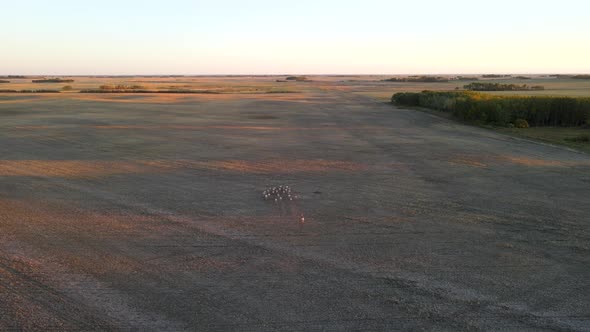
4	81
297	78
117	91
418	79
480	86
148	91
467	78
495	76
122	87
29	91
53	80
502	110
578	77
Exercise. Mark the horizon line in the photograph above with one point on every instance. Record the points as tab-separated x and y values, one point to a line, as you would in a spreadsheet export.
299	74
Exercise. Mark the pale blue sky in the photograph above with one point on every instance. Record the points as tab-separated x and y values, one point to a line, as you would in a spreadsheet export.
304	36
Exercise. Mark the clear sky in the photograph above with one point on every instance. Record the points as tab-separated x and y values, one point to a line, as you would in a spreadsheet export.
302	36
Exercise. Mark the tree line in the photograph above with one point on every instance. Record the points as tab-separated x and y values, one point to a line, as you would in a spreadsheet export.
53	80
29	91
418	79
122	87
502	110
480	86
496	76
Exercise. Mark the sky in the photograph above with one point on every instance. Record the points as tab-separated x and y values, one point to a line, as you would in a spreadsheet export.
127	37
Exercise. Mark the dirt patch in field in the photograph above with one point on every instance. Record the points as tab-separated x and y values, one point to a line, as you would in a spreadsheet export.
67	168
90	169
189	127
468	161
262	117
482	161
46	218
527	161
54	220
382	220
286	166
22	99
202	264
171	98
39	127
195	127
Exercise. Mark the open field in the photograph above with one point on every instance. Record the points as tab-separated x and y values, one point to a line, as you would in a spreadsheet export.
365	85
143	212
575	138
553	87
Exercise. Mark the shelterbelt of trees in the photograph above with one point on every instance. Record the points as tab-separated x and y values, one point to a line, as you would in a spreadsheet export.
577	77
418	79
479	86
53	80
502	110
29	91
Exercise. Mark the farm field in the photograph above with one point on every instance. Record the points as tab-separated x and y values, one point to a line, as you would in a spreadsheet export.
553	87
144	211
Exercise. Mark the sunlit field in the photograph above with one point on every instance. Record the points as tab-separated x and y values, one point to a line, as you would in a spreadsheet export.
151	211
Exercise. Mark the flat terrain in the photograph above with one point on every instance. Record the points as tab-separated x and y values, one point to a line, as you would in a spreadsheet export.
143	212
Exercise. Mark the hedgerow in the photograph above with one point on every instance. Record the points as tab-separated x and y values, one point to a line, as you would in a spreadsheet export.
502	110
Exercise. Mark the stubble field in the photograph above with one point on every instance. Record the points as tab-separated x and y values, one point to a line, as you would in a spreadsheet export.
144	212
